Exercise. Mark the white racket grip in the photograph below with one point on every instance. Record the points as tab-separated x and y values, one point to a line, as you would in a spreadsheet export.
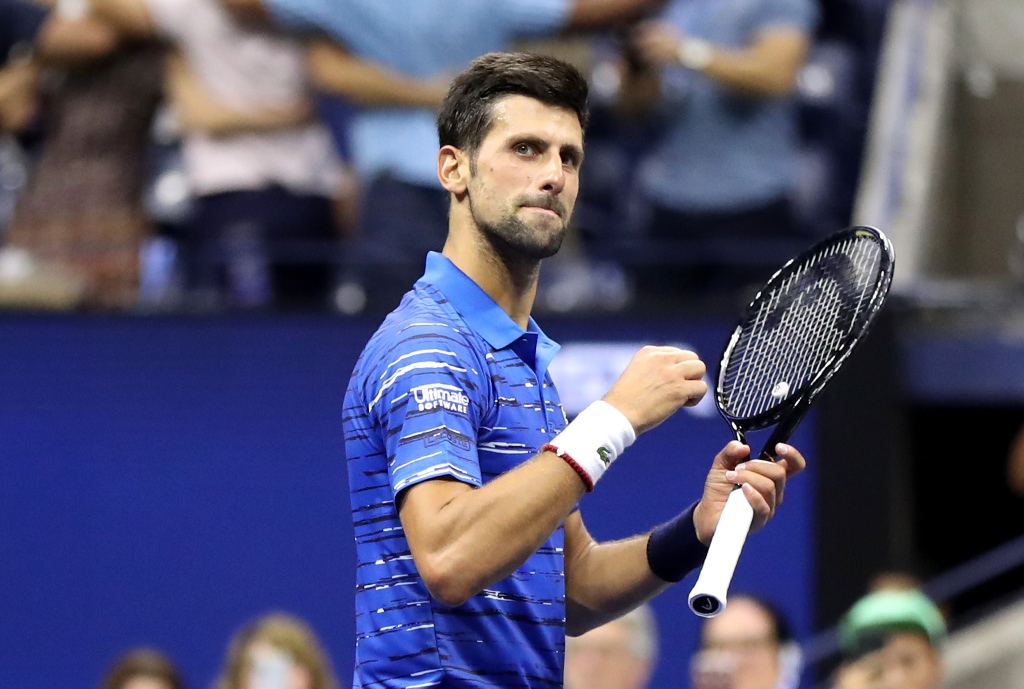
707	598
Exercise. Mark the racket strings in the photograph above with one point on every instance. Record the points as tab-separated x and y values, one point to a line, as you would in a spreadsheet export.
800	324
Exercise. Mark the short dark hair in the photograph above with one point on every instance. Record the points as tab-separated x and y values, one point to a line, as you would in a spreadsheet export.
782	632
466	112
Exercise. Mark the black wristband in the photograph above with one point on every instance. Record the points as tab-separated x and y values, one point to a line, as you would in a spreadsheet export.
673	549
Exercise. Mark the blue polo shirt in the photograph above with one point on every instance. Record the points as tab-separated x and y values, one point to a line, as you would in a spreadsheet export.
722	150
429	39
449	386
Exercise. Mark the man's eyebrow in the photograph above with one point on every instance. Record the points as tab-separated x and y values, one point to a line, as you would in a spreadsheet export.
533	139
576	151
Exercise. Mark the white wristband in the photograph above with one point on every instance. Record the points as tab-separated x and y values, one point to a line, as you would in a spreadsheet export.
594	439
694	54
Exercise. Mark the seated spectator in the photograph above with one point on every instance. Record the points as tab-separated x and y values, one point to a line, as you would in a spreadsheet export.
143	668
891	639
621	654
276	651
749	645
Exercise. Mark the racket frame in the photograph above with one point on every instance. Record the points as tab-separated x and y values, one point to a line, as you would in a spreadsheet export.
709	594
787	414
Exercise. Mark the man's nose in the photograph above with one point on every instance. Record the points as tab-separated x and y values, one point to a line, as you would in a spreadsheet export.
553	175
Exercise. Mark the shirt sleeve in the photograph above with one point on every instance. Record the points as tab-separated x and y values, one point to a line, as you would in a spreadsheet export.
428	400
801	14
533	18
20	22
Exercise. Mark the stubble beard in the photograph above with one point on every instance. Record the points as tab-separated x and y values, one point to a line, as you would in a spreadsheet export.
515	242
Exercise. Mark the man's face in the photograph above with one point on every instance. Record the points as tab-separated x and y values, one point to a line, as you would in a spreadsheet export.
907	661
744	637
269	667
525	177
603	659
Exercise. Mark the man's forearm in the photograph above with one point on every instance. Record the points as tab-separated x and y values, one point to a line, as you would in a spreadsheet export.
606	581
769	68
591	14
336	72
67	42
198	112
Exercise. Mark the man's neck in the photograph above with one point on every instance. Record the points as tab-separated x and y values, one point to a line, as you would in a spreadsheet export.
512	284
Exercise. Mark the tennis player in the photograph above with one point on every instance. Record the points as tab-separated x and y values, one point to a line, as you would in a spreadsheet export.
473	559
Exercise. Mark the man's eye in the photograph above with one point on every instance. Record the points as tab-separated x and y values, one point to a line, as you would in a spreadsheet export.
524	149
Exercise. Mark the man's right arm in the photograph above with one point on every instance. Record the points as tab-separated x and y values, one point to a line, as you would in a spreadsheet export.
464	539
198	112
595	14
335	70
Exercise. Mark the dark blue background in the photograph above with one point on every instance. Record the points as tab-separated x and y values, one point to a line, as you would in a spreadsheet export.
165	479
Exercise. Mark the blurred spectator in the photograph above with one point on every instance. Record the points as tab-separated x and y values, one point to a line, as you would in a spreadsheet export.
262	231
726	162
393	135
143	668
276	651
891	639
618	655
75	234
748	646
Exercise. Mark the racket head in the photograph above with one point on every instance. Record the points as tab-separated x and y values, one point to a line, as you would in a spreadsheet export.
801	326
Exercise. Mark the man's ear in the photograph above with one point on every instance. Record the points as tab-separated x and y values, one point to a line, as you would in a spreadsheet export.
453	169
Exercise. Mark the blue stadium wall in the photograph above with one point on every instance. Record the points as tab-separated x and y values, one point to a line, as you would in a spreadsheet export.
163	480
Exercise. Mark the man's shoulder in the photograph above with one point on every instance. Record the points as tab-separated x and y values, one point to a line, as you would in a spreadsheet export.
423	321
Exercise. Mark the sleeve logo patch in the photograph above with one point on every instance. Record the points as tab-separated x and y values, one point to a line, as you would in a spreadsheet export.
438	396
449	436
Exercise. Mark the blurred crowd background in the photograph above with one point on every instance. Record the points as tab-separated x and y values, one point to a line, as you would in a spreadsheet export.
203	155
277	156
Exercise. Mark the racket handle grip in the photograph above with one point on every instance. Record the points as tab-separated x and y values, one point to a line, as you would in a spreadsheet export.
708	596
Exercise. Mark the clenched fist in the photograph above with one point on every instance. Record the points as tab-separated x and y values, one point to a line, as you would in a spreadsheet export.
656	383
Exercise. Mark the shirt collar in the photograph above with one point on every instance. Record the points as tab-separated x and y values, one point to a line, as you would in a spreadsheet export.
481	313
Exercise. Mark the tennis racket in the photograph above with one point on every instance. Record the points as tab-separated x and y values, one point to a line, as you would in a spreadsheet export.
793	337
